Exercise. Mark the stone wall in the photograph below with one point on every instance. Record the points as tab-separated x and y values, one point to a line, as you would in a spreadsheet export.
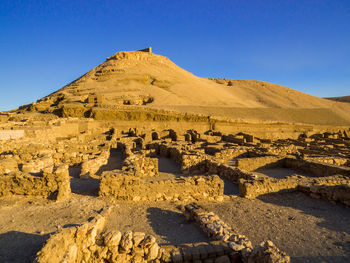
254	188
241	248
52	184
315	168
333	188
227	154
190	161
89	243
173	152
11	134
199	163
194	163
251	164
140	165
332	193
125	187
227	171
204	252
92	166
215	228
37	165
238	139
330	160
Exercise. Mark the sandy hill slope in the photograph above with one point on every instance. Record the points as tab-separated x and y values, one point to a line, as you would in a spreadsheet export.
340	99
144	78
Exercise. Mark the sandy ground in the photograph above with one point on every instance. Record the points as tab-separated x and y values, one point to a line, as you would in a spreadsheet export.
25	223
280	172
310	230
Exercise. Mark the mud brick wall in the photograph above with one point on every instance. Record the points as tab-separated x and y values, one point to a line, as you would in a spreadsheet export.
140	165
54	184
241	248
124	187
315	168
251	164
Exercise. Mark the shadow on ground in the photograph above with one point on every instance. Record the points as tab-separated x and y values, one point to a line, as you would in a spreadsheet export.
19	247
230	188
173	227
81	186
87	186
335	217
167	165
115	161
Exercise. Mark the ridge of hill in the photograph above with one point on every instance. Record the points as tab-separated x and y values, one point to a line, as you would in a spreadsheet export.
340	99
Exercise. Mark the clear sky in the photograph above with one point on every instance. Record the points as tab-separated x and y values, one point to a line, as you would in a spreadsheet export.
302	44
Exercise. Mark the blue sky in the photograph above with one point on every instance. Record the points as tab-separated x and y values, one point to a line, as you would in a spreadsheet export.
302	44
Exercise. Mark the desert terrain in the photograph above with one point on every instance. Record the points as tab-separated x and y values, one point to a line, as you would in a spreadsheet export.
139	160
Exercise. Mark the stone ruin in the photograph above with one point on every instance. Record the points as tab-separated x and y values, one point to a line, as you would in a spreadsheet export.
148	49
207	160
53	183
91	243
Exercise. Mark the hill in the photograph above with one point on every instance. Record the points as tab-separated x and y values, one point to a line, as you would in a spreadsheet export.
144	81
